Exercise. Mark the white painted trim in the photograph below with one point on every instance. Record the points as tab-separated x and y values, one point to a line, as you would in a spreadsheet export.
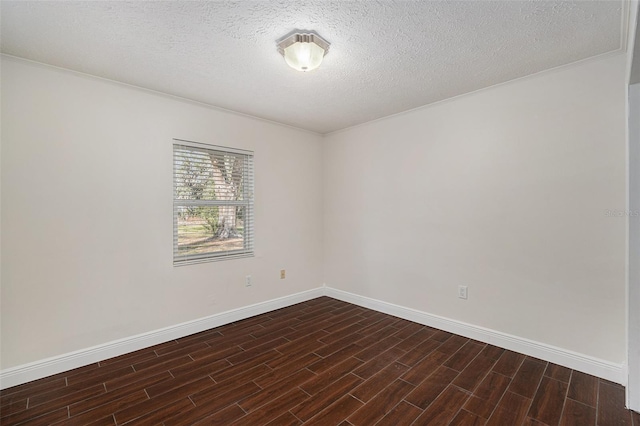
633	248
155	92
57	364
559	68
596	367
46	367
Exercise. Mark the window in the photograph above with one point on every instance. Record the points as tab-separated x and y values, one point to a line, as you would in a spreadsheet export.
212	203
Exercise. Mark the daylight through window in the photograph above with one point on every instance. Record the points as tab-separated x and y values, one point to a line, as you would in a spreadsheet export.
212	203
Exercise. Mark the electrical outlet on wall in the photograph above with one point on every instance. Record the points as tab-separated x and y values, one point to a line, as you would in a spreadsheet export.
247	281
462	291
283	274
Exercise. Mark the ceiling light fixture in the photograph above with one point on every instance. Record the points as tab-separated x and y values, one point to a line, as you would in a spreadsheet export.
303	50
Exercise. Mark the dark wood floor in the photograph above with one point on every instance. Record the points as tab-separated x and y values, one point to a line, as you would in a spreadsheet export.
322	362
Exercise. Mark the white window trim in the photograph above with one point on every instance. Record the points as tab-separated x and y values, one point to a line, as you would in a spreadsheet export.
248	251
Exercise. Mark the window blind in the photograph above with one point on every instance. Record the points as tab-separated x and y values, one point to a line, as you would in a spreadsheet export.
212	202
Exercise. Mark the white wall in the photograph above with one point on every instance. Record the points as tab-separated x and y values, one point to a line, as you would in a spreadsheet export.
86	178
503	190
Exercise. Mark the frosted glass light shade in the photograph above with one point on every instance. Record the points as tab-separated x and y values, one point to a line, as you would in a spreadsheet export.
304	56
303	51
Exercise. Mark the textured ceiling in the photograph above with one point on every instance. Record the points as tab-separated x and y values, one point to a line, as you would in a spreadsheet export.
386	56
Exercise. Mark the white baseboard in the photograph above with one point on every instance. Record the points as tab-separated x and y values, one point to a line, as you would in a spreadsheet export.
46	367
607	370
57	364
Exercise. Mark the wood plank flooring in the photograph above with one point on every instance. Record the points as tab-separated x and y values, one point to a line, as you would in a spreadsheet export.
322	362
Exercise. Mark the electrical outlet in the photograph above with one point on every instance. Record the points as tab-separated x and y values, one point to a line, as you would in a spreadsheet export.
462	291
283	274
247	281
